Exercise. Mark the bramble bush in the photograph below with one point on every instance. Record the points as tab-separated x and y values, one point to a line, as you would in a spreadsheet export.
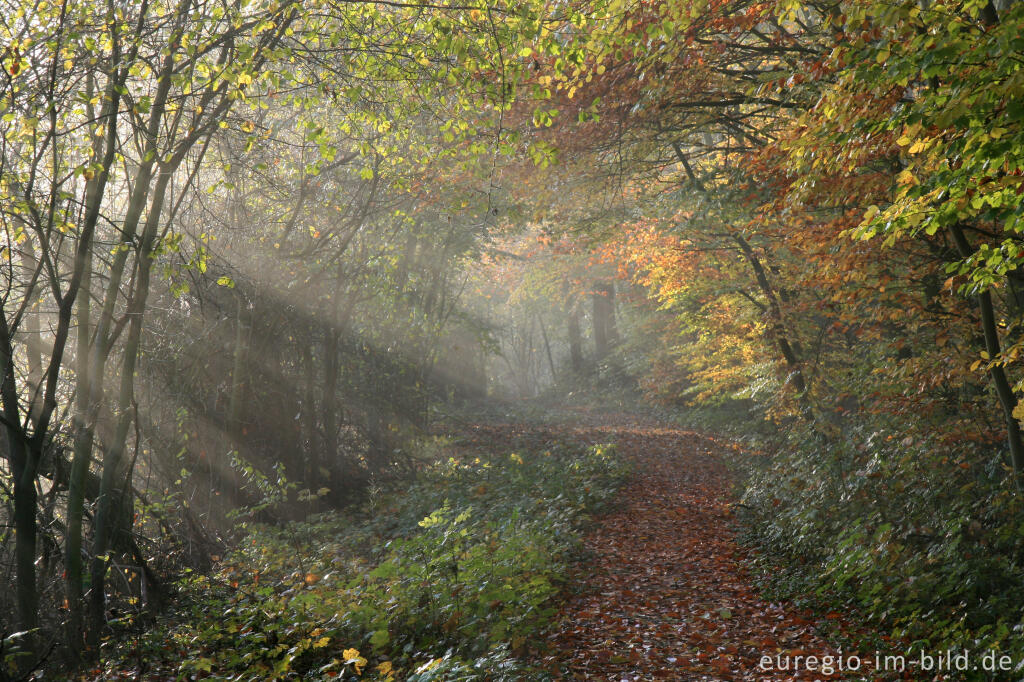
447	578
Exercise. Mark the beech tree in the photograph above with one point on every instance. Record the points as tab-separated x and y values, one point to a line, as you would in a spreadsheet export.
110	115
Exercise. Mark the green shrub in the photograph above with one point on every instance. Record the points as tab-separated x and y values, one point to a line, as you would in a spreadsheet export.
924	537
446	579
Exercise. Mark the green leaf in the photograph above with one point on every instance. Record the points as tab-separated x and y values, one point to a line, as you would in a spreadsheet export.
379	638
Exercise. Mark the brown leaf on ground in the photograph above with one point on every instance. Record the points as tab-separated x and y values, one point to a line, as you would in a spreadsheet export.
662	592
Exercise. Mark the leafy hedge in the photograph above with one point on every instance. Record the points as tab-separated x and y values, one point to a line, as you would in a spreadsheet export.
446	579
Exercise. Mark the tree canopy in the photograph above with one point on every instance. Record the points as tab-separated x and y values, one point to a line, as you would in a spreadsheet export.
252	250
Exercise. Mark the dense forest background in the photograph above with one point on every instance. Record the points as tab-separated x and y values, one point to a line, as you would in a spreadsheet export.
253	252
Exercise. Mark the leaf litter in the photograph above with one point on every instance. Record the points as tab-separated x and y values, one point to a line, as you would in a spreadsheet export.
661	590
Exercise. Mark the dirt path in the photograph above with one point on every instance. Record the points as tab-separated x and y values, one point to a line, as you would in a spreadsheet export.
663	593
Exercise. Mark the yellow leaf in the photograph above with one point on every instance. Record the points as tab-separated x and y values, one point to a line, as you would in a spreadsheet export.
352	656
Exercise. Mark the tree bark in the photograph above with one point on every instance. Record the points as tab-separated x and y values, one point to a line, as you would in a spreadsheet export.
81	459
990	331
112	490
776	325
23	469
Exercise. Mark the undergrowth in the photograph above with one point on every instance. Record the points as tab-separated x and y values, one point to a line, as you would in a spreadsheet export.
923	538
449	578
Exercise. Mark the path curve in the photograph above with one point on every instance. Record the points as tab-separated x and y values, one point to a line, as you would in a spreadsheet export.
662	593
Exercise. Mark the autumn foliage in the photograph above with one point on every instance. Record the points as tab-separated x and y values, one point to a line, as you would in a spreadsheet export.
250	254
821	204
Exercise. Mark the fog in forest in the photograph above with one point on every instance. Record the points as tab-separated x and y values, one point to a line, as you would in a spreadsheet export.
339	338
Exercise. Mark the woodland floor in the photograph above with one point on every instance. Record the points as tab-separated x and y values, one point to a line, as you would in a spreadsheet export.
662	591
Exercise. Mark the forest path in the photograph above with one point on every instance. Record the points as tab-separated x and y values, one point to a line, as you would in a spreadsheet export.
662	592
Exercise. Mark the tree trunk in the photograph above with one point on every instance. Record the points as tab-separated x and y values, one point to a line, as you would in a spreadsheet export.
81	459
547	350
575	339
110	504
612	326
238	372
776	326
603	319
1007	399
312	449
33	340
330	398
23	469
25	540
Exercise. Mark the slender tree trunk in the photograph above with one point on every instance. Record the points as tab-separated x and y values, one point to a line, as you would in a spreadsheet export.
776	325
25	451
104	338
332	342
33	340
109	499
407	260
25	528
481	372
601	312
1004	392
575	339
23	469
312	467
115	478
238	373
81	459
547	349
611	325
